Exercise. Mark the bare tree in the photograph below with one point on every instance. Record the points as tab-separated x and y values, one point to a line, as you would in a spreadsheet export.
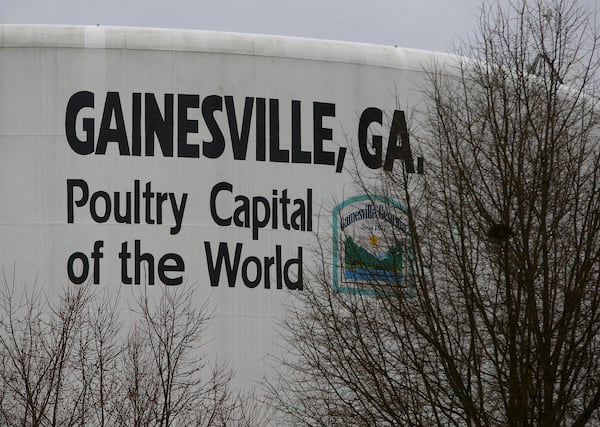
38	343
70	362
170	375
167	379
139	388
496	322
96	362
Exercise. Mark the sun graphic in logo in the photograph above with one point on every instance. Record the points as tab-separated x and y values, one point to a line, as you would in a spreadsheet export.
373	240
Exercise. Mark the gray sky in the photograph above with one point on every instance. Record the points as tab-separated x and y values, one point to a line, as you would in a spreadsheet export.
423	24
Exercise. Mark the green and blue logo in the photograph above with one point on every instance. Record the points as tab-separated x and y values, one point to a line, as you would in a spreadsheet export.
371	245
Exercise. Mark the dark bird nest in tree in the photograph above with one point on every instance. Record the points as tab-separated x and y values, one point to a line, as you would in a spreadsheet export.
499	233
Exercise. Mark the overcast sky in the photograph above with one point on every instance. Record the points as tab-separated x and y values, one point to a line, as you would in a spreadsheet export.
423	24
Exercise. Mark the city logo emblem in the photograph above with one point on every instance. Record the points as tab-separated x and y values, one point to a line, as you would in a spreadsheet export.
371	245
